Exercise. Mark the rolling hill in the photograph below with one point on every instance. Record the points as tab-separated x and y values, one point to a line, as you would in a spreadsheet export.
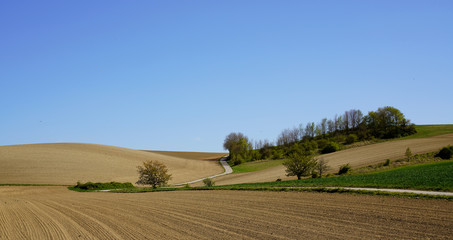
67	163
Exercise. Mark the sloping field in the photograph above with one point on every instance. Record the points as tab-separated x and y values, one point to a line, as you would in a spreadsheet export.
56	213
356	157
67	163
208	156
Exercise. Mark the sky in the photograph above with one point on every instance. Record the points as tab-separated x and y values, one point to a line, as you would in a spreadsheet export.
181	75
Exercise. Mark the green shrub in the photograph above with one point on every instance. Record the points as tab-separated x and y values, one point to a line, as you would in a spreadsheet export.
102	186
315	175
445	152
344	169
387	162
330	147
208	182
351	138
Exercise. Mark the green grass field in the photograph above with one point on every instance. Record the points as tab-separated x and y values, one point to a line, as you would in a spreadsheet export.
430	131
256	165
429	176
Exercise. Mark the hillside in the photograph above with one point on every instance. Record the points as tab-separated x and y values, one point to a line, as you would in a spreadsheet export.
67	163
356	157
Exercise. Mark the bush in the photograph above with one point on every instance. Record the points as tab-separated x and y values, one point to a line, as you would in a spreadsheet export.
103	186
445	153
315	175
236	161
208	182
344	169
153	173
330	147
408	153
352	138
387	162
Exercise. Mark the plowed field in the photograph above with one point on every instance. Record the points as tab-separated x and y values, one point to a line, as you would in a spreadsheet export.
54	212
67	163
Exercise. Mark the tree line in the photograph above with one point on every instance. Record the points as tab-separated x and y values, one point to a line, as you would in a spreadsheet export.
328	135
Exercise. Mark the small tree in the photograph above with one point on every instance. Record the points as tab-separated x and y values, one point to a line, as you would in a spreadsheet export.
153	173
299	165
208	182
322	166
408	153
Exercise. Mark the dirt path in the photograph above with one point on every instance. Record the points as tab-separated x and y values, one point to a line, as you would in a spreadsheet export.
356	157
57	213
224	164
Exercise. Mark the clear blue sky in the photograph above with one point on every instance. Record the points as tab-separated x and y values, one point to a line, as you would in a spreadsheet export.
181	75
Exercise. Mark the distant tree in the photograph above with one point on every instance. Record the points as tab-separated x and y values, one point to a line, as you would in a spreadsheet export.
299	165
153	173
323	126
408	153
231	139
238	146
345	122
330	126
310	129
288	136
321	166
389	122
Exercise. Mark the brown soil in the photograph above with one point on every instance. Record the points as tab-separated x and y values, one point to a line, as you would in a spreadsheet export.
57	213
67	163
356	157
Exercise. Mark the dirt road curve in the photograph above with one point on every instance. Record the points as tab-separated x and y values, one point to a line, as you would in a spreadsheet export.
54	212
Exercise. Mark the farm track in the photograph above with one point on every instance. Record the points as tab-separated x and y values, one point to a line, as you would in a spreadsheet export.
57	213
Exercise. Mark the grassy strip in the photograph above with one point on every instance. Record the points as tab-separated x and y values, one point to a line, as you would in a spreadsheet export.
90	186
256	165
424	131
429	176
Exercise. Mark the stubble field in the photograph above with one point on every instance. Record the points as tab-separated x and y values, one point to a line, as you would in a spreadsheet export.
57	213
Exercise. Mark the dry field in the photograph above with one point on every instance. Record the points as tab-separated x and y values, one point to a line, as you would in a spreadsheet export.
67	163
57	213
356	157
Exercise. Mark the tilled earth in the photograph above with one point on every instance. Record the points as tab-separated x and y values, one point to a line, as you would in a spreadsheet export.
57	213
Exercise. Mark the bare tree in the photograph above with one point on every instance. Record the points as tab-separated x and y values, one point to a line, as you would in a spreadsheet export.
310	129
322	166
345	121
330	126
323	126
288	136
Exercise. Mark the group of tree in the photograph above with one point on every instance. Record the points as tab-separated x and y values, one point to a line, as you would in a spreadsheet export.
329	135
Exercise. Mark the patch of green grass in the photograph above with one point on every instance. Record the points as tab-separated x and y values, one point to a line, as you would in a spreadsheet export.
90	186
429	176
256	165
424	131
